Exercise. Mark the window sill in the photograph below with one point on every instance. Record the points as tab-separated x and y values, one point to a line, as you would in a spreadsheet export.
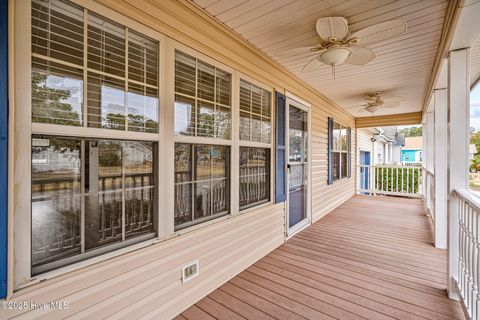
222	218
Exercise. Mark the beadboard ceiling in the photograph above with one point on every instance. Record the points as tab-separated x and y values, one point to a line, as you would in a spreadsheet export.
403	65
475	61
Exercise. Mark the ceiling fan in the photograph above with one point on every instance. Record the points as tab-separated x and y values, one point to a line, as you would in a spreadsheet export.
374	102
337	45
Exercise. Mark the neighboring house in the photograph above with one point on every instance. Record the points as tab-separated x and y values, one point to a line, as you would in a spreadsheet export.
376	146
412	150
381	145
472	151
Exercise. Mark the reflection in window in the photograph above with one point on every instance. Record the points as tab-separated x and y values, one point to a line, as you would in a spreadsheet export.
106	102
202	98
142	108
255	113
254	176
56	199
298	131
119	97
57	93
202	187
118	201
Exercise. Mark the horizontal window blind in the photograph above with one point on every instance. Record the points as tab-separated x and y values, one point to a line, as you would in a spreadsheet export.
255	113
202	98
120	74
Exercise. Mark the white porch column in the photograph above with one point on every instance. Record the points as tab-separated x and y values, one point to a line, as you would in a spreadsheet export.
459	112
390	149
424	159
440	165
429	154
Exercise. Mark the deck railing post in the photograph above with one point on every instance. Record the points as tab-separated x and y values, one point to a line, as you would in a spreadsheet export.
459	127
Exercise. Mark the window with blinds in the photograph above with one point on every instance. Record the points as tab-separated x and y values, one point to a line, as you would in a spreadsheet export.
117	82
91	195
341	140
255	113
256	130
202	98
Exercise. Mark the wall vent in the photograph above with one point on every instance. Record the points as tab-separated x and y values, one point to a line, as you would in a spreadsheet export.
190	271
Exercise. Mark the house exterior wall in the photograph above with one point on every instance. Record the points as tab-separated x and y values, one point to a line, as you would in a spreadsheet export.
364	140
396	154
364	143
147	281
378	152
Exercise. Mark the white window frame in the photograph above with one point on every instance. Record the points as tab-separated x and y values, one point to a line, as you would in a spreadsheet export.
25	129
172	46
255	144
340	151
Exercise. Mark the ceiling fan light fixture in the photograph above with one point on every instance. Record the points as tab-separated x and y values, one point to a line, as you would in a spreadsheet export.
335	56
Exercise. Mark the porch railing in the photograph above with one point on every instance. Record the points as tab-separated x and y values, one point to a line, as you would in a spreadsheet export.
468	280
390	180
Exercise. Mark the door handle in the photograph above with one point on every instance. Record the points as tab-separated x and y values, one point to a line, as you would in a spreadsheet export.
288	165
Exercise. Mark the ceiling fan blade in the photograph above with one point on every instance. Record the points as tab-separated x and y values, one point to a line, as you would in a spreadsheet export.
360	56
332	27
311	65
380	31
295	51
394	99
390	105
357	106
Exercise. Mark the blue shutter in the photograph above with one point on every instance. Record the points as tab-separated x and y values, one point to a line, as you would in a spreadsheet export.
329	151
349	146
3	144
280	148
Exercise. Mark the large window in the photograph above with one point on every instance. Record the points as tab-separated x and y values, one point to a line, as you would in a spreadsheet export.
89	194
202	111
340	151
255	144
114	73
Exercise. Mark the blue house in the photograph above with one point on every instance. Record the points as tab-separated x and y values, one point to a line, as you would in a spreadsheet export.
412	150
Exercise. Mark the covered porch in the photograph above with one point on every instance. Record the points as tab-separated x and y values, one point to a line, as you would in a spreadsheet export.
371	258
240	198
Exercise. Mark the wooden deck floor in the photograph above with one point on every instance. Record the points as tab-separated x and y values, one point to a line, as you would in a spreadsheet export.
371	258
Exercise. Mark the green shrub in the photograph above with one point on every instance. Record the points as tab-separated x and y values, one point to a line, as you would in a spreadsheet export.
390	179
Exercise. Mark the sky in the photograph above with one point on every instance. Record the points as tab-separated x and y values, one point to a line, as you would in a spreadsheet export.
475	108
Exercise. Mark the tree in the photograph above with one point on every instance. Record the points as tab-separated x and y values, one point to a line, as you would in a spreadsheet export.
475	139
411	132
48	104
